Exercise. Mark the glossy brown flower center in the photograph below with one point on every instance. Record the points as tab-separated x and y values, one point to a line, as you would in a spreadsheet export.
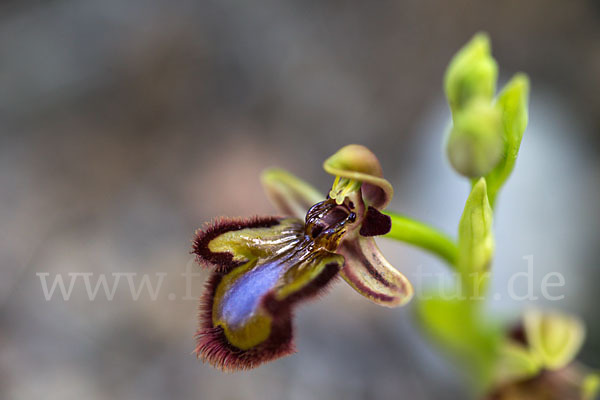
327	222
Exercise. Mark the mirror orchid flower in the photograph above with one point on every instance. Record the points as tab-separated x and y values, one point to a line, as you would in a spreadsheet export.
263	266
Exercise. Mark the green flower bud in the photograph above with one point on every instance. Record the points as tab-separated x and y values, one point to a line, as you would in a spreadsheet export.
471	74
475	145
475	240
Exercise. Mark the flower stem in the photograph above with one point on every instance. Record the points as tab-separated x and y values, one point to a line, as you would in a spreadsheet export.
424	236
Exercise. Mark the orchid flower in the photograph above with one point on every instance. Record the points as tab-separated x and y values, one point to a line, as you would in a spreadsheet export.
263	266
537	360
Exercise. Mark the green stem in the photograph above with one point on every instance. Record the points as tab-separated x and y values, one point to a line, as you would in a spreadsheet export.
424	236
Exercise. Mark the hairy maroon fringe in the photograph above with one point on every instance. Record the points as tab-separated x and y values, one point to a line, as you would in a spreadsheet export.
223	262
213	347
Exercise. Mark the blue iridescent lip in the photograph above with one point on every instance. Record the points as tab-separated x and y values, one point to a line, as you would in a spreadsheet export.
242	298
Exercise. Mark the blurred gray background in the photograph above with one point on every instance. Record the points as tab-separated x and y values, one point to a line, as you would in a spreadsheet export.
126	125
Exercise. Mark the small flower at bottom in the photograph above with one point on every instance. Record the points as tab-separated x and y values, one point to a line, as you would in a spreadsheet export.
263	266
537	360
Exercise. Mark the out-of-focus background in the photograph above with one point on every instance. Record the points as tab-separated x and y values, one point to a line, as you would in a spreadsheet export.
124	126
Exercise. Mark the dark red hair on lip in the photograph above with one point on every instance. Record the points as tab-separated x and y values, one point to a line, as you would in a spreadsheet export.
212	345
